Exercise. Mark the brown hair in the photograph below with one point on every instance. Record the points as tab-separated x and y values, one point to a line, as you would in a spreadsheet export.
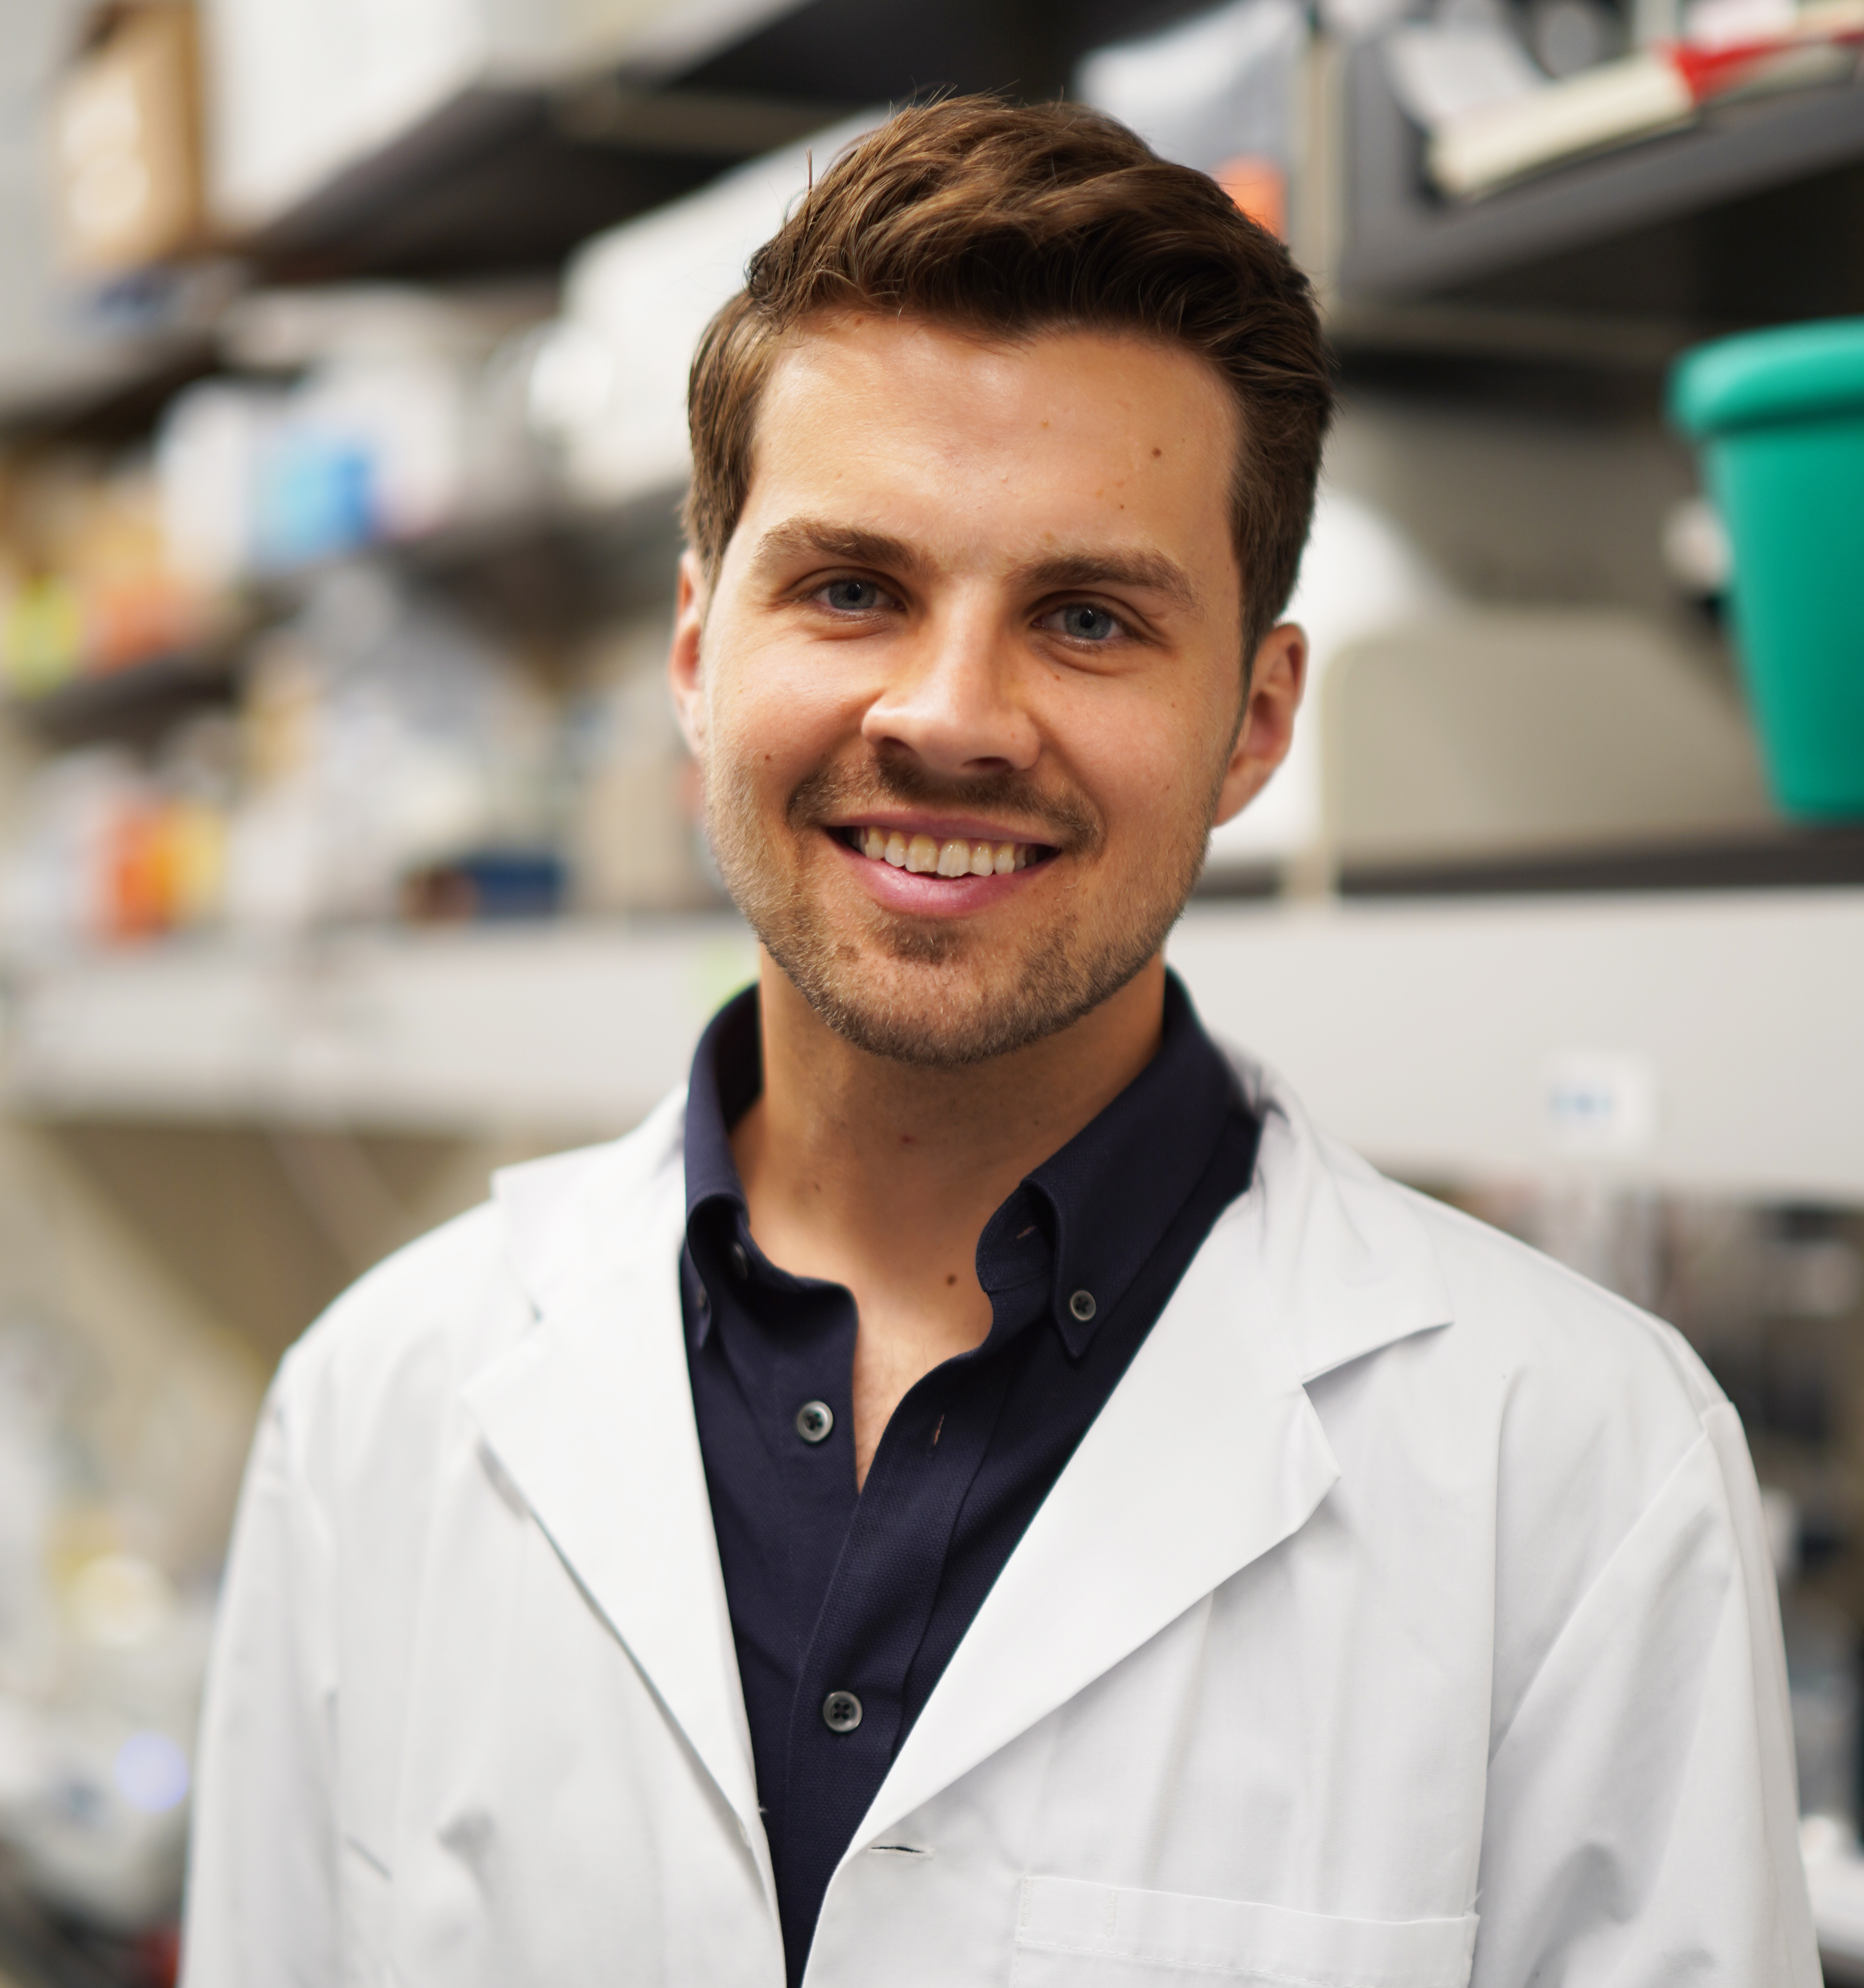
1012	220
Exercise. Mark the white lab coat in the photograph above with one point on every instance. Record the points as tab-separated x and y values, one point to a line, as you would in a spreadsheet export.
1405	1621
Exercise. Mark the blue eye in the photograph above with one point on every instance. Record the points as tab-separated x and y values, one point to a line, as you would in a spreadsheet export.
852	596
1083	623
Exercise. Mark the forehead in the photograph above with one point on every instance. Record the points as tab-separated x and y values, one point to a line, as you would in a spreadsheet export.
928	429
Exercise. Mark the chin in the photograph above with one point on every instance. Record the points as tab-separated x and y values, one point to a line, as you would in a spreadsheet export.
925	997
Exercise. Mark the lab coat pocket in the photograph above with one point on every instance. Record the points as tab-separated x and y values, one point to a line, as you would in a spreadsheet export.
1072	1935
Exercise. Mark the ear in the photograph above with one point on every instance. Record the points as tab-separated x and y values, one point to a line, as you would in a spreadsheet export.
1267	731
683	663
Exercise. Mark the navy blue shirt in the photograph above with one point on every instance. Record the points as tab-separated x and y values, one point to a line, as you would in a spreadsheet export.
845	1606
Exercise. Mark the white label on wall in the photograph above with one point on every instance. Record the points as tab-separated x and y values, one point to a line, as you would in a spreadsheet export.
1601	1103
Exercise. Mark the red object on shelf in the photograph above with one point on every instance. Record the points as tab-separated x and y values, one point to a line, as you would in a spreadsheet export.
1712	73
158	1955
1259	187
137	896
134	620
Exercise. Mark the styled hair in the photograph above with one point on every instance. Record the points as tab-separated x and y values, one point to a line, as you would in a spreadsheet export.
1009	221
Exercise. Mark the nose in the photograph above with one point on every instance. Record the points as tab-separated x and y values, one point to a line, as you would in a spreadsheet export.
954	699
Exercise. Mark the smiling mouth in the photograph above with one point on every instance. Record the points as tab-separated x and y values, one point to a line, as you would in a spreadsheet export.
955	856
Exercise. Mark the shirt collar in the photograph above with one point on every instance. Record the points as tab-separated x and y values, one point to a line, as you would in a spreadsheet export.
1111	1192
727	1076
1105	1199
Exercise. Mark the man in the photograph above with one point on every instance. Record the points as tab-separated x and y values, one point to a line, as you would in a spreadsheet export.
978	1489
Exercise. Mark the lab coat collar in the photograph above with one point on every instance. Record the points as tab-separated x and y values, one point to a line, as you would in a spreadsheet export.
1321	1262
1347	1264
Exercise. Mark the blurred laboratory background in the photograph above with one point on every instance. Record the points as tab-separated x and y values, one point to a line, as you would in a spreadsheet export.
347	847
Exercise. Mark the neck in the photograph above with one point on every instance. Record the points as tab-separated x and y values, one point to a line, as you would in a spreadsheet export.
880	1176
861	1142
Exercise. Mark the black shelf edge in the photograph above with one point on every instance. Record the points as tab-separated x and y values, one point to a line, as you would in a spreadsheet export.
510	174
550	569
493	180
1241	883
107	389
121	347
137	700
1792	859
1575	340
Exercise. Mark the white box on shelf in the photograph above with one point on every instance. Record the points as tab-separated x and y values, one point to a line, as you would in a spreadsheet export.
299	90
641	296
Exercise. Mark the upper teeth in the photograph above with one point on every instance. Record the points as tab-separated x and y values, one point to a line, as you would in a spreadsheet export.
954	858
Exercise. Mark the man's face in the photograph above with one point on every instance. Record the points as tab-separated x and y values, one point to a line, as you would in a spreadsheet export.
967	688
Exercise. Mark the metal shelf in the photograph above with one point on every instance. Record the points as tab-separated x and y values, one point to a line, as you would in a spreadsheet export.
137	701
492	180
569	1027
1754	214
1835	1876
1784	857
1699	1041
1693	1041
508	174
512	176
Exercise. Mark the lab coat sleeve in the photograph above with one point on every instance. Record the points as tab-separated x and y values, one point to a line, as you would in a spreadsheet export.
1641	1826
261	1906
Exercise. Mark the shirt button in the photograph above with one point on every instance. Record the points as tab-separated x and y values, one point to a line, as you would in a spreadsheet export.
841	1712
813	1421
1082	1304
740	1263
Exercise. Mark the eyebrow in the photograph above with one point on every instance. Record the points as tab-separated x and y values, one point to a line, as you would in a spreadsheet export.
816	538
1151	573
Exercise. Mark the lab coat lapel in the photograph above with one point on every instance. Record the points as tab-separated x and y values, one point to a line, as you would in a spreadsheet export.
1207	1456
590	1416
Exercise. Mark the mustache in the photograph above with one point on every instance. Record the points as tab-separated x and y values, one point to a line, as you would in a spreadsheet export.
843	791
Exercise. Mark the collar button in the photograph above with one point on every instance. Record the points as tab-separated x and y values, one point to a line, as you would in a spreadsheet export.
1082	1305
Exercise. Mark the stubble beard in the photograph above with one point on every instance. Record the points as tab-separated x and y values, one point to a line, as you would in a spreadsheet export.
923	991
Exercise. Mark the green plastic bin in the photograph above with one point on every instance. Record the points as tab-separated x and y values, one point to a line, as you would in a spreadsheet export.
1779	417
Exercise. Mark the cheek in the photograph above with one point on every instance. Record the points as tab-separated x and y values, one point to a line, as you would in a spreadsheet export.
772	712
1149	764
